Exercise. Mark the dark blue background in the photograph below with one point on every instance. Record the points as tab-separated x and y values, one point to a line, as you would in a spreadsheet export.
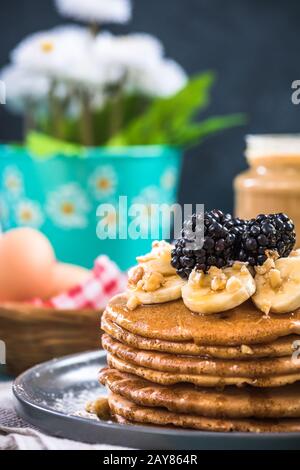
253	45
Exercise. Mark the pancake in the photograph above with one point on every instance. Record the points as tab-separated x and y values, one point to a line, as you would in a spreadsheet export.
171	378
279	348
121	407
172	321
197	365
232	402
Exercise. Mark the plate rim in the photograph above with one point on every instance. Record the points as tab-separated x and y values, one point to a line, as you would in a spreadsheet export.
19	391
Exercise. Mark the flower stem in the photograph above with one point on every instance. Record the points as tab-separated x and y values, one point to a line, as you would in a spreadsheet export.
86	120
29	120
117	111
56	113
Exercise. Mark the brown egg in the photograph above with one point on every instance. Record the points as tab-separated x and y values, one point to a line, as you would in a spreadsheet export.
26	264
66	276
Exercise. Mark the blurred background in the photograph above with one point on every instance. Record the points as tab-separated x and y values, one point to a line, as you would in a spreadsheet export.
252	46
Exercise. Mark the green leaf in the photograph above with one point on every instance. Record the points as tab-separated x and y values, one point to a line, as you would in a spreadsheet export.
193	134
165	117
143	121
131	107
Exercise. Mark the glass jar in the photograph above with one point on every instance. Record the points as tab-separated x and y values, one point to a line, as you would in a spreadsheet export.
272	183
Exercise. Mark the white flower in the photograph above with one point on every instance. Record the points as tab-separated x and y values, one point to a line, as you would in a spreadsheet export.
140	57
23	88
68	207
163	79
169	179
41	52
103	182
64	53
132	53
100	11
29	213
13	181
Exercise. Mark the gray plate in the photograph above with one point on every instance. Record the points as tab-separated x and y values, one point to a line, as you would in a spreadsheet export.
52	395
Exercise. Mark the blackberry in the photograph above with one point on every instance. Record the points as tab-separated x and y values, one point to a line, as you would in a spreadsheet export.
236	227
221	234
273	232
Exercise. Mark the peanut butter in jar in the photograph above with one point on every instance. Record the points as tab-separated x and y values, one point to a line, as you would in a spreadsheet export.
272	183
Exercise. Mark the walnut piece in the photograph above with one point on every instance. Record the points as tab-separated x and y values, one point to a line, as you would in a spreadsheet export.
275	278
196	278
218	283
136	275
100	408
133	302
266	267
152	281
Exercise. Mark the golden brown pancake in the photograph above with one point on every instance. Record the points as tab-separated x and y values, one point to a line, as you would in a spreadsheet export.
172	321
279	348
171	378
128	410
232	402
197	365
168	365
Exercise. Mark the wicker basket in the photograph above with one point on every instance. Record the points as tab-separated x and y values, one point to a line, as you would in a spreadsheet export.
33	335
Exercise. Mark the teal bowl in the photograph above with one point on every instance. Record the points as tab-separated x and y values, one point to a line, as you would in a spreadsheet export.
62	195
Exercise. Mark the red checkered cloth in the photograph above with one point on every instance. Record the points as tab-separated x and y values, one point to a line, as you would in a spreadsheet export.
105	282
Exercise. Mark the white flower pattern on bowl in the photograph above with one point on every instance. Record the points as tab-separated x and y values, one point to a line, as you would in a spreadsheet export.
13	182
103	182
68	207
29	213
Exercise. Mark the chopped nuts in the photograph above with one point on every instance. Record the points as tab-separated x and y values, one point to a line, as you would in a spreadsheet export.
218	282
135	275
152	281
238	265
100	408
244	269
272	254
275	278
233	284
214	271
133	302
195	278
268	264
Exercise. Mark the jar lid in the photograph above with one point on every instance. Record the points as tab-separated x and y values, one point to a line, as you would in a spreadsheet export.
272	145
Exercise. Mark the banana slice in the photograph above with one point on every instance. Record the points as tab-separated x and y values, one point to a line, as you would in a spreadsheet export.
219	290
159	259
278	285
154	280
170	289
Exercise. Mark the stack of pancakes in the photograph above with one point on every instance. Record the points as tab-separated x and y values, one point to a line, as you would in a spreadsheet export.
233	371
